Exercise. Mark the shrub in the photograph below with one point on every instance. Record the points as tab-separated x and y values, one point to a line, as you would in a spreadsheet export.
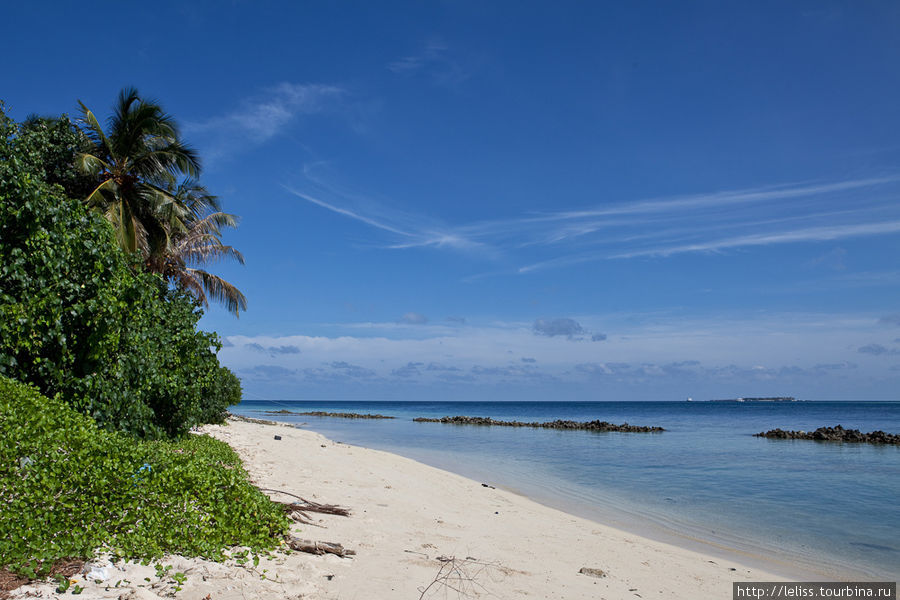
224	391
83	322
69	488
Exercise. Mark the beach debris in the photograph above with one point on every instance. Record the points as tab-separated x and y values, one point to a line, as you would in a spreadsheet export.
297	511
10	581
602	426
488	486
314	547
277	437
461	576
592	572
308	505
96	574
834	434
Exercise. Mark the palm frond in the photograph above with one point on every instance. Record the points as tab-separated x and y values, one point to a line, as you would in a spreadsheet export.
94	131
130	233
90	164
103	195
221	291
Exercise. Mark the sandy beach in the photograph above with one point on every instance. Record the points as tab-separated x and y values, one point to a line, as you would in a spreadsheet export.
411	524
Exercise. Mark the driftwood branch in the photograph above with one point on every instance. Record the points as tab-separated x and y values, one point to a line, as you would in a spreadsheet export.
313	547
301	517
460	576
306	506
298	510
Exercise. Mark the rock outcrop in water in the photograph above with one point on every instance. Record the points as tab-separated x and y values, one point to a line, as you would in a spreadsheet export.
319	413
558	424
834	434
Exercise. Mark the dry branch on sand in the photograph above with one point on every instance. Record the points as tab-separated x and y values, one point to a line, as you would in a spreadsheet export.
313	547
298	510
461	575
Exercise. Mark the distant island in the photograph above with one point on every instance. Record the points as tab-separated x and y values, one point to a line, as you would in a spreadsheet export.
764	399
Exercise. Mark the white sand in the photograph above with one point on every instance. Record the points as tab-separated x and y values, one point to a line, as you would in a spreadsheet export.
404	516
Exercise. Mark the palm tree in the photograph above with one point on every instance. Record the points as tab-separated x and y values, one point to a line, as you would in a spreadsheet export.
136	164
194	239
148	190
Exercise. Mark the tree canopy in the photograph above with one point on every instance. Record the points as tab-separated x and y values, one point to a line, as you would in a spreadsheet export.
83	320
146	186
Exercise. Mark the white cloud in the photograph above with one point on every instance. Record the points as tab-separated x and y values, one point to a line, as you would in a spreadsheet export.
640	351
435	61
662	227
812	234
263	116
414	318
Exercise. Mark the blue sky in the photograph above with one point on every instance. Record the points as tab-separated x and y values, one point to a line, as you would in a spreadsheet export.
572	201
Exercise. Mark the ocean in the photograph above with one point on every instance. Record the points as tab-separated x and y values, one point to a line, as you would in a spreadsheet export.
828	506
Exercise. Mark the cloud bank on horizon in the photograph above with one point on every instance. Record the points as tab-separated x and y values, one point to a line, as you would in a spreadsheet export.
828	356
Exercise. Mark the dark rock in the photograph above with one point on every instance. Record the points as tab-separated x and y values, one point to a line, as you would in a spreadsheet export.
558	424
319	413
834	434
252	420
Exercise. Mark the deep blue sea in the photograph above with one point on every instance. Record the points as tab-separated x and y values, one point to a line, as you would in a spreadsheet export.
834	506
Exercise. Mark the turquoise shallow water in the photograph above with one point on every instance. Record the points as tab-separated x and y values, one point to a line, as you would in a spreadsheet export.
706	476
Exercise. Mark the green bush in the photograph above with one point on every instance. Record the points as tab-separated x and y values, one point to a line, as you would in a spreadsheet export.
69	488
224	391
81	321
47	147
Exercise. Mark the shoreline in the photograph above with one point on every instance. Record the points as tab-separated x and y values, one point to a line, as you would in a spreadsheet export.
407	519
658	527
703	510
412	512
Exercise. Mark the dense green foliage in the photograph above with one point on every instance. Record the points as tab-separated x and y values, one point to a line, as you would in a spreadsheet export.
48	147
224	391
78	317
101	348
69	488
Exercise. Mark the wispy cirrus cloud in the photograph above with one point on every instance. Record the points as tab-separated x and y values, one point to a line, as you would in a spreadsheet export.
435	61
811	234
803	212
407	230
264	115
